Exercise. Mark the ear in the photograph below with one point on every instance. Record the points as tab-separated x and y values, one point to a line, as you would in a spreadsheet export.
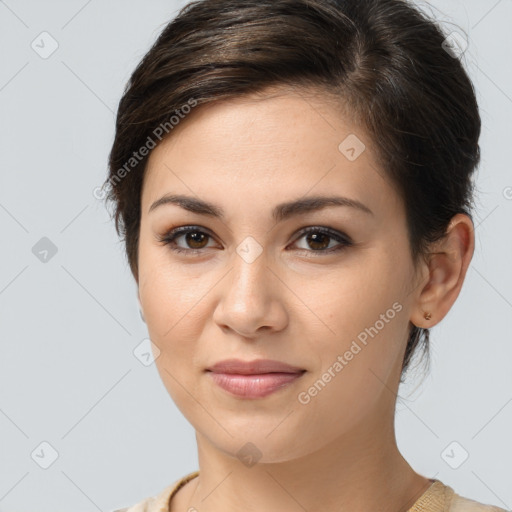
445	272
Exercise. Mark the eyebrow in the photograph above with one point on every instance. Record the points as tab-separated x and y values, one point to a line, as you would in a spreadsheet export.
280	212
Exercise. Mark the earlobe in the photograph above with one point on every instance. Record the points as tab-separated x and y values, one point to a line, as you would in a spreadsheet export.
447	266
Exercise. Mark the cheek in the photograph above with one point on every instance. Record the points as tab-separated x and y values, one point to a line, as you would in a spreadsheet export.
175	310
366	315
172	313
358	368
169	294
362	297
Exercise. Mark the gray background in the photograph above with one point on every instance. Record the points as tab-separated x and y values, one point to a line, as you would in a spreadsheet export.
69	326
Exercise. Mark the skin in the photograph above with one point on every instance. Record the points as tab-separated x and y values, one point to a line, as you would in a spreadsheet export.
293	303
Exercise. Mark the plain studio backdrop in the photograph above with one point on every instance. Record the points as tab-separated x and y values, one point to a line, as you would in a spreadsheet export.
85	422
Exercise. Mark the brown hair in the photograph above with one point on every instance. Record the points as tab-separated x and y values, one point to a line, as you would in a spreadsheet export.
384	59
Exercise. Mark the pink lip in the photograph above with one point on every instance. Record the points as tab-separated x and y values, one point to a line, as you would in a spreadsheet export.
253	367
253	379
253	386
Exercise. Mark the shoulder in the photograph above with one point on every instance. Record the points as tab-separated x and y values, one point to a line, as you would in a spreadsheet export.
149	504
160	501
460	504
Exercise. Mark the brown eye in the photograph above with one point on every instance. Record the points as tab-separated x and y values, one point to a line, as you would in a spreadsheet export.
194	239
320	240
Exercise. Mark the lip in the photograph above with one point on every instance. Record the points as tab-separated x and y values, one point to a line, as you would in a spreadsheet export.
253	379
255	367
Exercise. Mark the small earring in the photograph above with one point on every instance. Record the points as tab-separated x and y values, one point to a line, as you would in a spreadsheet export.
427	316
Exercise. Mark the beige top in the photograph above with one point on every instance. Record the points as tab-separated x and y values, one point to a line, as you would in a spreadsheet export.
437	498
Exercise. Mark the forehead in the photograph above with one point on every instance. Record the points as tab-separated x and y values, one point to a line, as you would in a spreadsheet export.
270	146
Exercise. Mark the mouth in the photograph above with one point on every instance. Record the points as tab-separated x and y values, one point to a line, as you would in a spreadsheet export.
255	367
253	379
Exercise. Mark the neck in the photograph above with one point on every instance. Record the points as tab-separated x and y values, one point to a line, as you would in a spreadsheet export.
361	470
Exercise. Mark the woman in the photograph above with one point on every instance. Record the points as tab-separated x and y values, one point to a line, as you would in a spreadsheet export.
293	182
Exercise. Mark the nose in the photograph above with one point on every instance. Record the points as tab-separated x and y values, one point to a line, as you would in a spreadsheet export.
252	299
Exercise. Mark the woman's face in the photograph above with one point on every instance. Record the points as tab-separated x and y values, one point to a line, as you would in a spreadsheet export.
250	284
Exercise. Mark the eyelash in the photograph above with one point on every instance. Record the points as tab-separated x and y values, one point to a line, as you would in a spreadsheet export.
170	237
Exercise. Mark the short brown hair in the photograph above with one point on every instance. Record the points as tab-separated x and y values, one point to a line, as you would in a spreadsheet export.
385	59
